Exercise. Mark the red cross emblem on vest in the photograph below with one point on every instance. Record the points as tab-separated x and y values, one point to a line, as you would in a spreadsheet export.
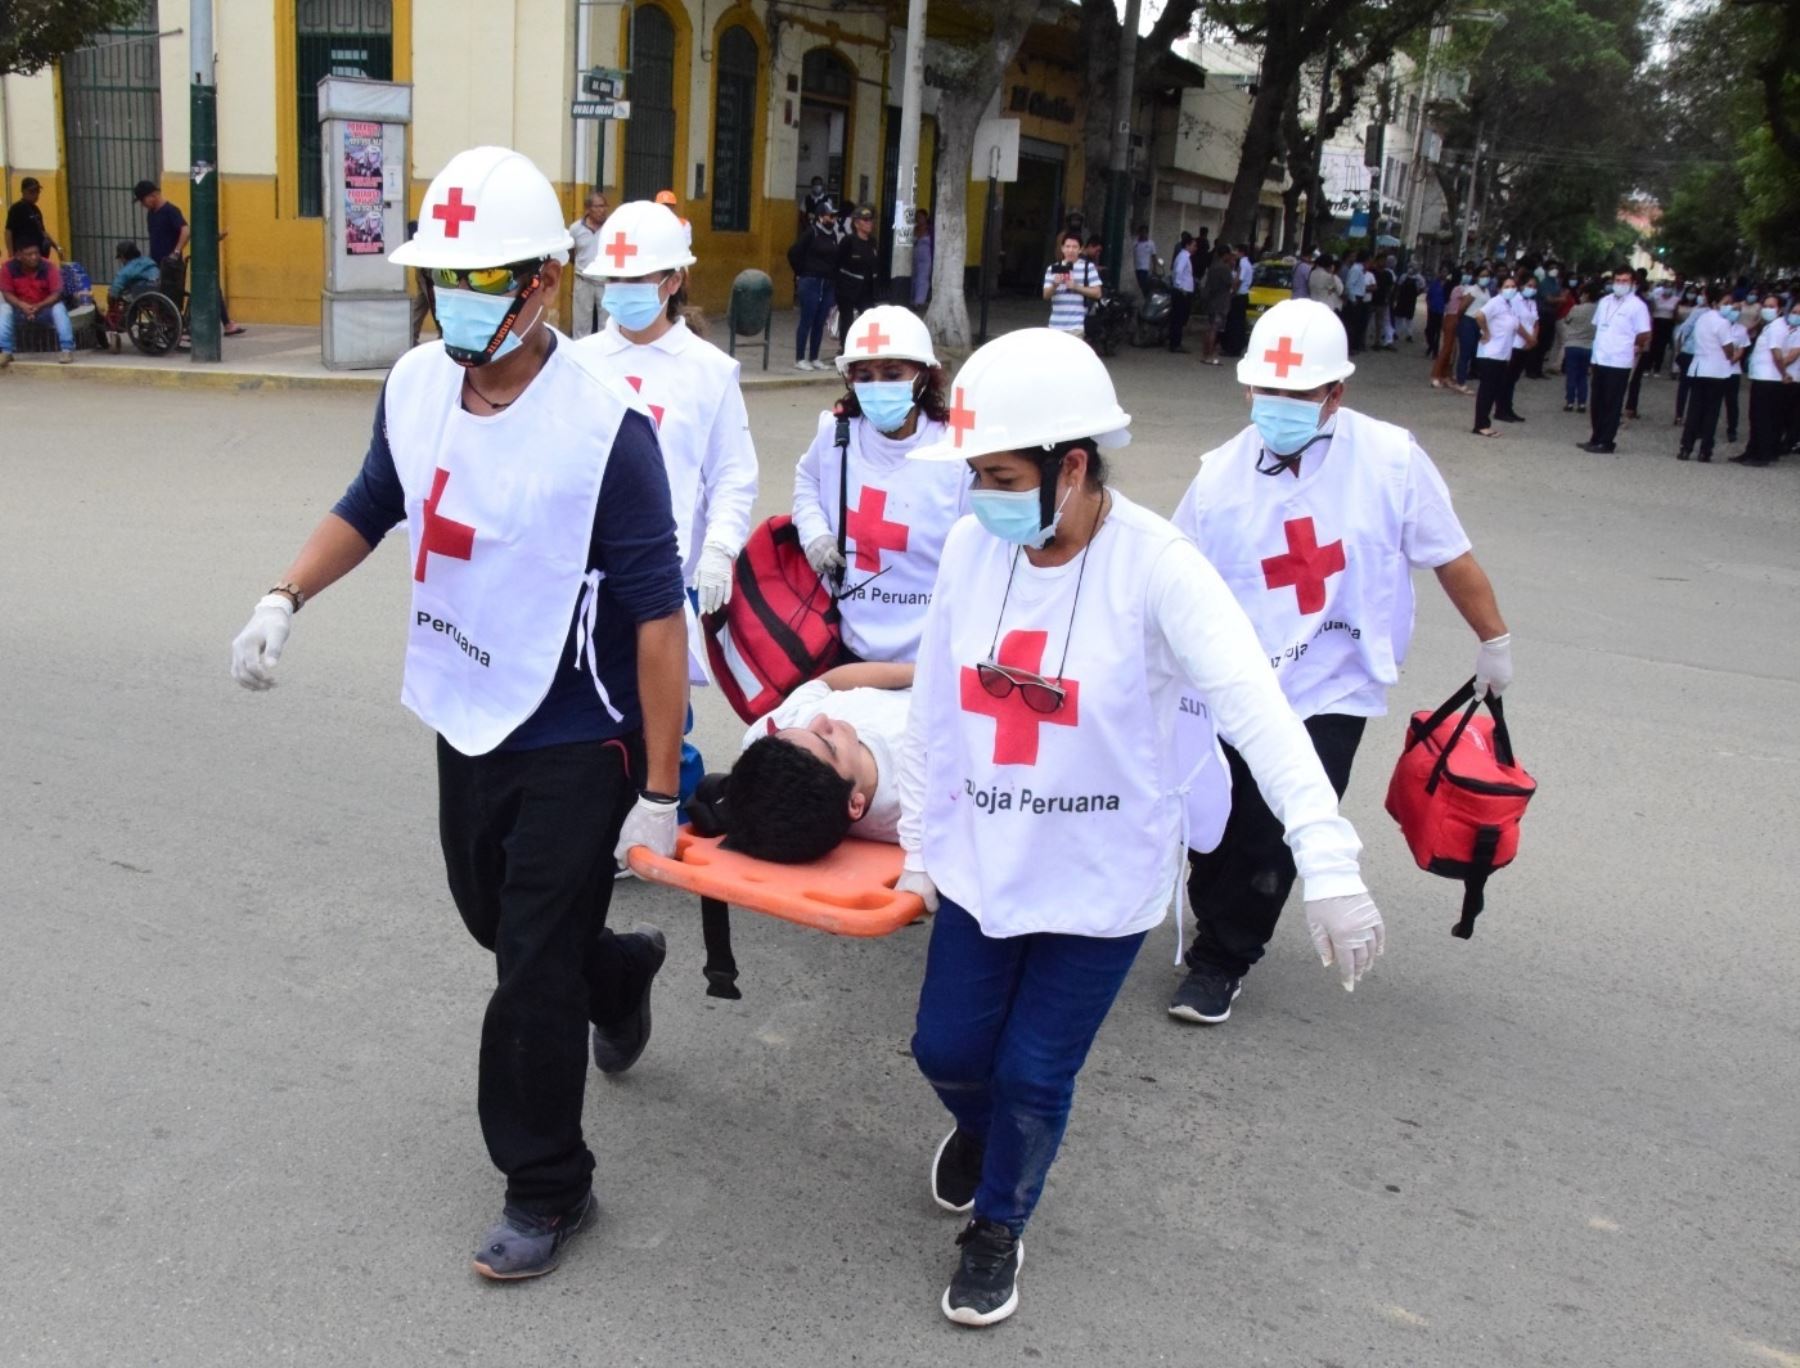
1306	565
656	410
618	249
962	418
1283	357
872	532
445	536
874	339
1015	722
453	212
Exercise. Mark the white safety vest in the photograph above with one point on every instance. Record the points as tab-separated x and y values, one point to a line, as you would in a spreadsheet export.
1069	821
900	511
500	517
1317	562
1197	753
691	389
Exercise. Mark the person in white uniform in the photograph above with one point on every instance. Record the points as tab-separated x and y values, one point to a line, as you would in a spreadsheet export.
1041	810
546	648
691	389
1500	331
821	766
1715	352
1767	404
897	511
1315	515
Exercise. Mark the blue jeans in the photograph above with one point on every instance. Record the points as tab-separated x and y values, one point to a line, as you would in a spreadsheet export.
10	318
1575	377
1004	1026
1468	337
814	295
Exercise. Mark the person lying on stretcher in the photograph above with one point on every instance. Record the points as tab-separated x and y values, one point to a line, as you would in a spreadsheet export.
822	766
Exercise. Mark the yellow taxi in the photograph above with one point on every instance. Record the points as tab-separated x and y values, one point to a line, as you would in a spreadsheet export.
1272	283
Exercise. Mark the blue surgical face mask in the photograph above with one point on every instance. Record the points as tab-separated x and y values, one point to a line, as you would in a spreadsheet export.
1530	292
1770	315
1485	281
1794	320
885	403
1468	279
1285	425
1508	291
469	321
1730	313
1014	515
635	304
1621	289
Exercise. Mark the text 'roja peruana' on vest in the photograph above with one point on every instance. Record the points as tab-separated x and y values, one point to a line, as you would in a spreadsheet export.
1038	804
450	629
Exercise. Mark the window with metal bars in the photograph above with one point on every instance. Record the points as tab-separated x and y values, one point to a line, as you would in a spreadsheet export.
112	137
650	132
334	38
734	130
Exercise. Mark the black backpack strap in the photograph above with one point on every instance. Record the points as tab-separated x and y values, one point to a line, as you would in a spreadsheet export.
1487	842
842	438
721	965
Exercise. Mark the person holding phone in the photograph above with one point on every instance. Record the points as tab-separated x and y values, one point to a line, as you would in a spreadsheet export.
1069	283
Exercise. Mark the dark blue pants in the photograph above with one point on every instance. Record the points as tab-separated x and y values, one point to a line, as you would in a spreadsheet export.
1468	337
1575	374
814	296
1004	1026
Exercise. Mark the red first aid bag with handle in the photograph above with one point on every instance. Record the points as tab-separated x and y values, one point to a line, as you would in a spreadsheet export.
1458	795
780	628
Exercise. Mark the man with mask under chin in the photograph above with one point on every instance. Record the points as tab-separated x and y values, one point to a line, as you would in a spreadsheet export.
545	772
1315	515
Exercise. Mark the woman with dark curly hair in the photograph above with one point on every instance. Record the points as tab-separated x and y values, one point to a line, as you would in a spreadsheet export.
883	558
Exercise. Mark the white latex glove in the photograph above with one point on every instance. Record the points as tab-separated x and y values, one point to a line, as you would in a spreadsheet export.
714	579
257	649
650	823
914	879
1347	932
822	554
1493	666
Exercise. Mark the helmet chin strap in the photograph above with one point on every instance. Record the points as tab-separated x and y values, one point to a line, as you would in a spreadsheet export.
473	359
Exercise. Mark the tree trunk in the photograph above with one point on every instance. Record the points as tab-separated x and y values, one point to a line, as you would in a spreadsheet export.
1261	136
977	72
1100	66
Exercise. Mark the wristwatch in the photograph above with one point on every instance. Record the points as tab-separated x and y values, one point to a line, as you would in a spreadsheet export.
292	592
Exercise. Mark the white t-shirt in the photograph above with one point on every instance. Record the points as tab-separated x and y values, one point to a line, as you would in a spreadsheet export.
1617	326
1141	253
1068	310
1184	272
879	716
1712	334
587	243
1773	338
1740	338
1663	301
1246	273
1503	329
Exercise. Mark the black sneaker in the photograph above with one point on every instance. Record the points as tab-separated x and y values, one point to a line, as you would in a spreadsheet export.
616	1048
986	1286
521	1245
1205	996
956	1171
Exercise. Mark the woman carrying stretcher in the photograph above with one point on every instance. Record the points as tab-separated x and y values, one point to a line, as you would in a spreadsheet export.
1041	809
897	512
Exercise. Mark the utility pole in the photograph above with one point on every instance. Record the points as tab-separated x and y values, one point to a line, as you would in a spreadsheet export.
1415	186
1118	181
906	172
1315	189
1462	241
203	140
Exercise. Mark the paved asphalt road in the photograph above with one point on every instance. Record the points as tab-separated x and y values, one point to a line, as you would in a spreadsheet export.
237	1053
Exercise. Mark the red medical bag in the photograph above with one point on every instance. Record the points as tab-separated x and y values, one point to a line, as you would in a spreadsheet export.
1459	795
780	628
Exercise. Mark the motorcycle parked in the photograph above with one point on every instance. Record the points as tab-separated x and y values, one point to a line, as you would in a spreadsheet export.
1151	326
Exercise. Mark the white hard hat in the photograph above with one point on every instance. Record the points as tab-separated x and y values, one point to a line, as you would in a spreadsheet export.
640	237
489	206
1030	389
1298	344
887	330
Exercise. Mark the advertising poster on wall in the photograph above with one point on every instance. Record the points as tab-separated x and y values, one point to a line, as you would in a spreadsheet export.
362	189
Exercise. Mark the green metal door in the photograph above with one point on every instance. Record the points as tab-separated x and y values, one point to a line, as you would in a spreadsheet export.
112	138
334	38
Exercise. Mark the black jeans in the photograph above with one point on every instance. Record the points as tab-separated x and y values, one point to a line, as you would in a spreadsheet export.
1608	384
1181	306
1638	372
528	842
1729	396
1767	411
1434	333
1661	331
1238	890
1682	363
1515	367
1702	425
1237	327
1490	384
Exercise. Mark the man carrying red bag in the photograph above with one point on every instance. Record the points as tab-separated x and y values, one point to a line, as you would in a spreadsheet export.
1315	515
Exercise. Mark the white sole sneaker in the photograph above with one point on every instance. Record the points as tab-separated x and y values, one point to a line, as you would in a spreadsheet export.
963	1315
1182	1012
931	1180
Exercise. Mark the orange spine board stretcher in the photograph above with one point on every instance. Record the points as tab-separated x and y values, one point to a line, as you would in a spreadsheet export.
848	893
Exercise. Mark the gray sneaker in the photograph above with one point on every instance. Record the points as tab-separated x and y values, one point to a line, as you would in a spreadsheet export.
617	1047
521	1245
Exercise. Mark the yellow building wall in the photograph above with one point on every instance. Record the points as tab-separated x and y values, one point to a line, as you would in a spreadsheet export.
33	136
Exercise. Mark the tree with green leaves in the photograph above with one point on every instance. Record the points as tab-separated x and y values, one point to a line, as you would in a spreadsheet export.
35	33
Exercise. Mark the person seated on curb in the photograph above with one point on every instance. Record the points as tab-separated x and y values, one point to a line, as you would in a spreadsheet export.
821	766
32	290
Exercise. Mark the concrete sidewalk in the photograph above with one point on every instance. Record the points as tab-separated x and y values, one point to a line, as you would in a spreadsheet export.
277	357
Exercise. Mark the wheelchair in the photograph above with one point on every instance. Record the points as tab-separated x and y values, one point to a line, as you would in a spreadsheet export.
153	321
